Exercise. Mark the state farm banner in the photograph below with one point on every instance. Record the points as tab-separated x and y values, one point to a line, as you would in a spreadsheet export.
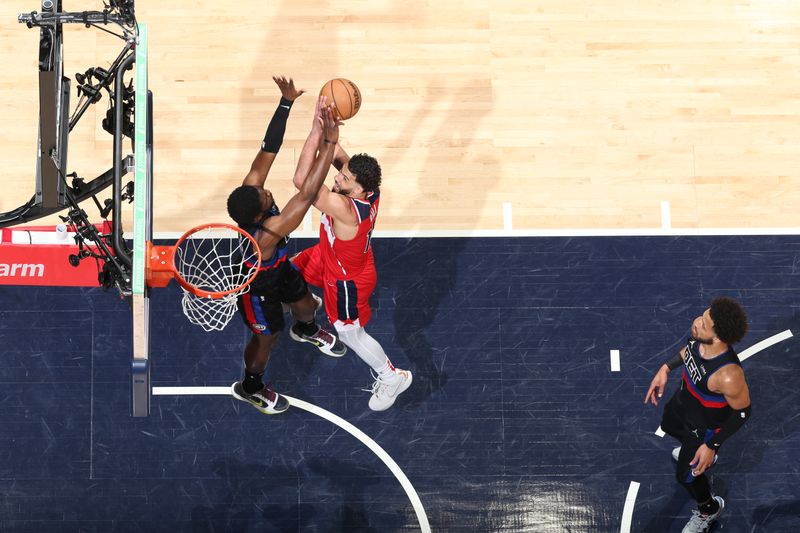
39	255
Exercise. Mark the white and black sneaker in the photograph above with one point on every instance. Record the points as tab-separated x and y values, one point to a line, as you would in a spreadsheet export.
266	400
324	340
385	392
699	522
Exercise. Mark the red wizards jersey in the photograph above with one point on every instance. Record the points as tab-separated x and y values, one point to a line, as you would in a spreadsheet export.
346	259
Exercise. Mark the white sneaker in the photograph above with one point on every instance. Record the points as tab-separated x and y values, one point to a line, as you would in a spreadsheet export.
677	451
699	522
385	393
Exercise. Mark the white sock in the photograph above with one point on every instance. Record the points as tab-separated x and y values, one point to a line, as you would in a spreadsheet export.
369	350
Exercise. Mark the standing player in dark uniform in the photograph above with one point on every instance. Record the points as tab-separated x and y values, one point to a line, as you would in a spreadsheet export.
342	263
254	209
712	403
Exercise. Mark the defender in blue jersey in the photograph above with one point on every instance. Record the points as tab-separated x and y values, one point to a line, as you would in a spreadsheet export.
252	207
712	403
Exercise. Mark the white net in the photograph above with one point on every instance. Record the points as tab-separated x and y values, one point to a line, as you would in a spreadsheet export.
215	260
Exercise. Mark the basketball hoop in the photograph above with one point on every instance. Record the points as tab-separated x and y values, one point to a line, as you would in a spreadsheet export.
213	263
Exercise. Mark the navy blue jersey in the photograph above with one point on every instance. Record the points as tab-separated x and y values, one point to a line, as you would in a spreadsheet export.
272	269
703	404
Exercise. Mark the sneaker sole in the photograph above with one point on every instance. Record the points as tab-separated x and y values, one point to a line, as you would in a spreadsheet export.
400	391
265	410
721	508
322	349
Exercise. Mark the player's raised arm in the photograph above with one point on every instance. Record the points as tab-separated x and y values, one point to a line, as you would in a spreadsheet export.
340	158
273	138
292	215
310	147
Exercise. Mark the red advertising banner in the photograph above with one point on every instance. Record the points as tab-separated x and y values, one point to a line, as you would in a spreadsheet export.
39	255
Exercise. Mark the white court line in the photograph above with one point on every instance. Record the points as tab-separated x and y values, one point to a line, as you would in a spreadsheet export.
533	232
627	511
615	360
666	216
422	517
766	343
508	219
194	391
751	351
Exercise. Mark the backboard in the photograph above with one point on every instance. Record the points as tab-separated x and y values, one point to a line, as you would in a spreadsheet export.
142	232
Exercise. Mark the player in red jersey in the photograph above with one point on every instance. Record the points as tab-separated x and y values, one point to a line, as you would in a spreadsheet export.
342	263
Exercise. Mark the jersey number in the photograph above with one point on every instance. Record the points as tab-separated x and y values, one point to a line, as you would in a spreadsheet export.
369	237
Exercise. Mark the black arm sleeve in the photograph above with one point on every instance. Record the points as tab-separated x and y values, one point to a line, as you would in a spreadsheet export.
731	425
277	127
675	362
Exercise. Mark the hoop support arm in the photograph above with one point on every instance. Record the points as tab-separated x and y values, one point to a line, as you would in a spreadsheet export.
159	267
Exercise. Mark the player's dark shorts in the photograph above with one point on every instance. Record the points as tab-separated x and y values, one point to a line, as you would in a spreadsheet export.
260	307
678	421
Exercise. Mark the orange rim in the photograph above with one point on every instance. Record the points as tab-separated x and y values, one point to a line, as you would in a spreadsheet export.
211	294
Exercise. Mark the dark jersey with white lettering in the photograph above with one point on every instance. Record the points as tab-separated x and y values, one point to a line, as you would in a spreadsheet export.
703	405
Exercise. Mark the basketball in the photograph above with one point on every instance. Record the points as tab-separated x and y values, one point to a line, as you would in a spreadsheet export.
344	96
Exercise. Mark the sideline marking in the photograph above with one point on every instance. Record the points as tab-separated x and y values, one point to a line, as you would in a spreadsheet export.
533	232
185	391
508	219
751	351
615	361
666	216
627	511
422	517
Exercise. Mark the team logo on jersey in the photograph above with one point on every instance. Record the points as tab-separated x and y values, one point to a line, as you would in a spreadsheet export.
258	327
689	362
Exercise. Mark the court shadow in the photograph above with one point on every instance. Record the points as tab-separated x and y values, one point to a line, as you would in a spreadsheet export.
416	306
350	489
678	509
765	515
322	495
229	513
429	268
664	514
774	395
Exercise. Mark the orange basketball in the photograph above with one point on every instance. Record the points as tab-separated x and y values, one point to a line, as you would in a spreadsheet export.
344	96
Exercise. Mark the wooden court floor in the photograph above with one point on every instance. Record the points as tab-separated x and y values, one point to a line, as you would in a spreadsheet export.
571	114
